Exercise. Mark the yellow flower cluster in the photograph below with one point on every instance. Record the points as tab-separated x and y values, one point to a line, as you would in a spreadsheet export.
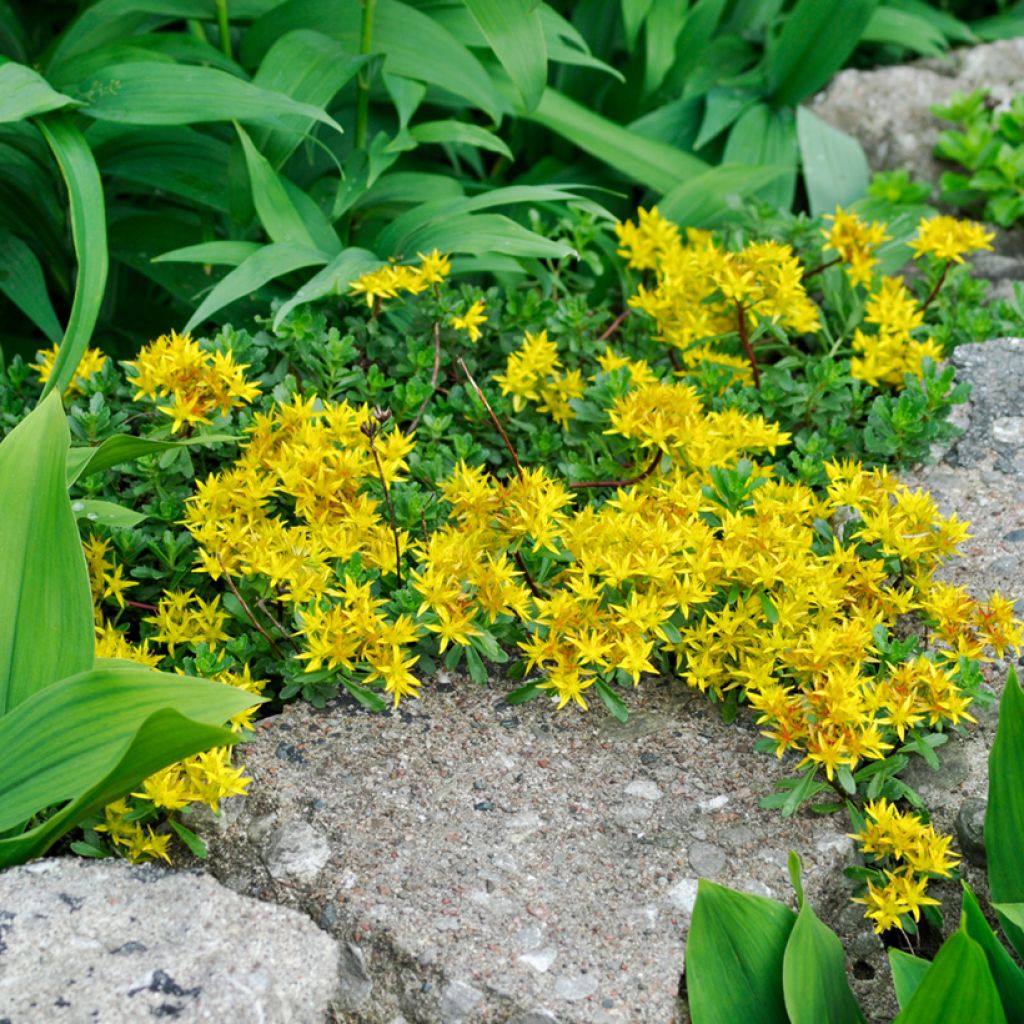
393	279
293	504
205	778
182	617
915	850
671	418
197	382
947	238
106	579
890	353
533	374
855	243
703	291
709	302
92	361
471	320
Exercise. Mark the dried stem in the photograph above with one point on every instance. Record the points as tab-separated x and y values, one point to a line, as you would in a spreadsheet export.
615	325
433	379
673	358
370	430
245	607
741	326
935	289
141	605
262	605
580	484
494	419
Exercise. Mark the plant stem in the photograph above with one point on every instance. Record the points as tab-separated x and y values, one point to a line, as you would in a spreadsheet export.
820	267
433	379
935	289
248	611
141	605
530	581
741	326
387	501
615	325
363	80
494	419
652	466
224	24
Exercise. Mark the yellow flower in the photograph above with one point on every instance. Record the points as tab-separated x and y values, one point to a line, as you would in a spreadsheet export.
948	238
470	321
92	361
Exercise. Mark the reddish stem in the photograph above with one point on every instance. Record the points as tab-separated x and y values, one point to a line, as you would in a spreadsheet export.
494	419
579	485
741	326
615	325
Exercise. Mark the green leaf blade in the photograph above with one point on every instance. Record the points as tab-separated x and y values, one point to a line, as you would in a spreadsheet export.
46	617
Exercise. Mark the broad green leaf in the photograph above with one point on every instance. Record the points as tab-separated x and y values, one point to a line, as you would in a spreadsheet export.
460	132
814	982
106	513
481	233
92	737
835	168
907	972
397	237
1004	817
1009	978
768	137
277	213
691	46
22	281
334	279
711	198
164	160
734	957
566	45
612	701
409	188
266	264
89	236
46	618
903	29
665	21
165	94
633	14
309	67
24	93
722	107
957	987
110	20
658	166
122	448
216	254
951	28
414	45
1006	25
815	40
515	33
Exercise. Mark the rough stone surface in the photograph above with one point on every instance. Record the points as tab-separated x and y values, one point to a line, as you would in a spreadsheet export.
568	899
889	109
104	941
497	864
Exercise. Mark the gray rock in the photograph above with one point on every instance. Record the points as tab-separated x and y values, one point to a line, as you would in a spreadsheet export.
457	1000
297	851
706	859
355	985
970	830
889	109
573	989
645	789
104	940
683	895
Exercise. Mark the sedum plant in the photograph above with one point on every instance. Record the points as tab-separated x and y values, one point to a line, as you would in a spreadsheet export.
456	476
751	958
78	731
988	143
